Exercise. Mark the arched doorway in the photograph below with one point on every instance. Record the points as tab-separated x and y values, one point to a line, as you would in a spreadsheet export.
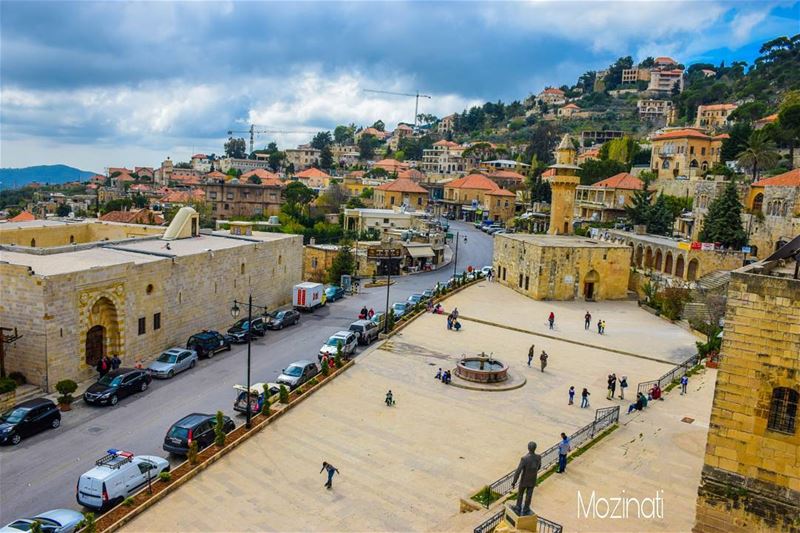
679	264
590	285
668	263
639	251
659	260
648	257
691	271
95	345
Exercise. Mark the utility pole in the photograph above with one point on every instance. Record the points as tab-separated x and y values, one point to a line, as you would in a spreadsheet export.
3	341
455	259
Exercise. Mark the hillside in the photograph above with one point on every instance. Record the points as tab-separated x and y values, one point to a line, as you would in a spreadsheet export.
50	174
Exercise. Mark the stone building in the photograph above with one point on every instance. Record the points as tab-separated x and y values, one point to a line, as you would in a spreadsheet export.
563	182
550	267
714	116
238	197
402	191
684	152
129	290
605	201
477	197
751	476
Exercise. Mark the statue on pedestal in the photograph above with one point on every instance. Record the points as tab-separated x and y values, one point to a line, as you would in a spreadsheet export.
526	474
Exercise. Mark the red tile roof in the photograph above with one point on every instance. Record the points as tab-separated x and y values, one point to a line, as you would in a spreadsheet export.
391	165
449	144
312	173
718	107
787	179
412	173
768	119
665	60
473	181
199	156
124	177
217	175
507	175
501	192
623	180
681	134
402	185
571	106
549	172
553	90
183	197
266	177
24	216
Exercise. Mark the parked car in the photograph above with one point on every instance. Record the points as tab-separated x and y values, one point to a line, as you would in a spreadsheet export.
499	232
366	330
55	521
256	396
297	373
117	384
196	427
280	319
239	331
28	418
493	229
427	294
377	318
399	308
172	361
209	342
115	477
347	339
414	299
334	293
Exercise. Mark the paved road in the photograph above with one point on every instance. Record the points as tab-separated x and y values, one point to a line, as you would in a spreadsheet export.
41	473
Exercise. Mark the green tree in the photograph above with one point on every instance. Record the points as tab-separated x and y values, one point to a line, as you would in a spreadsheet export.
355	203
367	193
760	153
321	140
326	158
736	141
789	122
118	204
88	524
265	406
236	148
343	263
219	432
723	223
379	125
367	145
283	395
337	359
659	218
275	160
344	134
595	170
639	211
63	210
255	180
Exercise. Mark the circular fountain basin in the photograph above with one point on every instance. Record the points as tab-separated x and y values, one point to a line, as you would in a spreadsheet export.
482	370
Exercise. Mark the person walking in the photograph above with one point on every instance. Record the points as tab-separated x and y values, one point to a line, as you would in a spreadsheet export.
584	398
103	366
116	362
613	385
608	388
455	313
684	384
571	395
564	448
623	384
603	327
371	313
599	326
587	320
331	471
531	352
543	360
551	319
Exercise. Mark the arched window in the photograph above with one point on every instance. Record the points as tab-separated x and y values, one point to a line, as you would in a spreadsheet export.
783	410
665	165
758	202
33	243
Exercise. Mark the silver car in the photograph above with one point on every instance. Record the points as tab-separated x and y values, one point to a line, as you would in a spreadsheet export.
55	521
172	361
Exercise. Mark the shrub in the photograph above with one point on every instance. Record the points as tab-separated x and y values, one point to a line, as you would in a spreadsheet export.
88	524
265	406
66	387
166	477
36	527
128	502
325	368
7	385
338	358
283	395
192	454
19	378
219	433
672	301
312	382
390	320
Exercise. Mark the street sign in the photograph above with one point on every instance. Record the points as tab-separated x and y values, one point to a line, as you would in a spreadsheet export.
384	253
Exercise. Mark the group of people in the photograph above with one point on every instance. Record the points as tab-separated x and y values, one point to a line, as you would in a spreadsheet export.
444	376
366	314
639	404
584	397
587	323
542	357
107	364
452	320
612	386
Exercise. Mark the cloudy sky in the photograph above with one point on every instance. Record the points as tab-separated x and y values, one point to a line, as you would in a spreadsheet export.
98	84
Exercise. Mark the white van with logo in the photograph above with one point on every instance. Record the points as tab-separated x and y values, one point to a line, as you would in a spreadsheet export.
116	476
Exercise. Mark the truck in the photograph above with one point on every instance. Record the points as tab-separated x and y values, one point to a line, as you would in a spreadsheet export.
307	296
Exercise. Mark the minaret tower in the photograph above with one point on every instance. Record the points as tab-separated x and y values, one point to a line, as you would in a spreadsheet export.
563	185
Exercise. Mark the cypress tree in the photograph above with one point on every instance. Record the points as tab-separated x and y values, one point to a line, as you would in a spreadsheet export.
659	218
723	223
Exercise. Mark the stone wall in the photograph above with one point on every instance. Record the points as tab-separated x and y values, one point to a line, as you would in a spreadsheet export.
751	477
191	293
77	232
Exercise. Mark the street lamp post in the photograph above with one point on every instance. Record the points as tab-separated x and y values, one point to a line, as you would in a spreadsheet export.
235	310
455	258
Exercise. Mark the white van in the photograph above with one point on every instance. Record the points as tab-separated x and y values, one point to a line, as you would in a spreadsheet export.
116	476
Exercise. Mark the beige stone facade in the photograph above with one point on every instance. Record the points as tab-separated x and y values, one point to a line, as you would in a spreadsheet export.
751	477
562	267
133	298
46	233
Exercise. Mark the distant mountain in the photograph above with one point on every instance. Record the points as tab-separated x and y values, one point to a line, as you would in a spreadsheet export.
50	174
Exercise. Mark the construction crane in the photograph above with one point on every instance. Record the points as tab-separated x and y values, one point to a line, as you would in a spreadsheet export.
416	96
253	132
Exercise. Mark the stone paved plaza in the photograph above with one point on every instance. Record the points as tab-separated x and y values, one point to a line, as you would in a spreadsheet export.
405	468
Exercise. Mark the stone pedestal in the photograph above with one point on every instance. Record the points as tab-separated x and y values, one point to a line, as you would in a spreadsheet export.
514	522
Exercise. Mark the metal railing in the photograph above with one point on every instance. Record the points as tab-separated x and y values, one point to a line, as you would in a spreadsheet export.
543	526
646	386
603	418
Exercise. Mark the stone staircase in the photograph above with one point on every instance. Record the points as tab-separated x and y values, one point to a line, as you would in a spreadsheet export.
27	392
714	281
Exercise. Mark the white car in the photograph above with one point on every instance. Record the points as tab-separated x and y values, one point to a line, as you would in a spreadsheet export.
348	340
55	521
116	476
486	270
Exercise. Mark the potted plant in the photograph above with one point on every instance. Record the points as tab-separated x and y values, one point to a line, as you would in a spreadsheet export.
65	388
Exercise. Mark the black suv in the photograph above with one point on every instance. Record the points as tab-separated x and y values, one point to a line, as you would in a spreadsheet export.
239	330
208	342
117	384
194	427
281	319
28	418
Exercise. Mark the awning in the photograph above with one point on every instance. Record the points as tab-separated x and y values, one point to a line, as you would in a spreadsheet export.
420	251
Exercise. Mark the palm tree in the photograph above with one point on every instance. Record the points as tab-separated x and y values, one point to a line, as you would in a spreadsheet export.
760	153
